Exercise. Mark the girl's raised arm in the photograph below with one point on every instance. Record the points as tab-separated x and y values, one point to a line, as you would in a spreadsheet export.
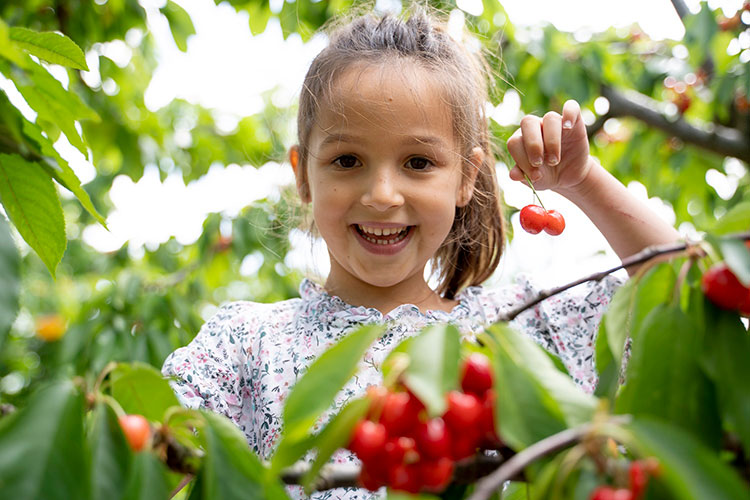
553	152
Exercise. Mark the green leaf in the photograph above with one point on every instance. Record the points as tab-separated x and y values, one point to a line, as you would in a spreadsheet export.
699	30
63	173
433	367
735	220
52	47
617	319
148	479
536	399
606	367
110	454
689	469
737	257
55	105
315	390
336	434
726	359
230	469
43	450
142	389
10	277
179	23
31	202
664	378
9	50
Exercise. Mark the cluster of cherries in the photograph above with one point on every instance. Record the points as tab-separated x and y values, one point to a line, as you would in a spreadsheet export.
535	219
723	288
639	473
404	449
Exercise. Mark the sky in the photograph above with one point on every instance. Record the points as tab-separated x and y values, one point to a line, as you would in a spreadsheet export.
212	73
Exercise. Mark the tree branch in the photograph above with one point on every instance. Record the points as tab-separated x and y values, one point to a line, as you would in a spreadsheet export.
518	462
644	255
681	9
723	140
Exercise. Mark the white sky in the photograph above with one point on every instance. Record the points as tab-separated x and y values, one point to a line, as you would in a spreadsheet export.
226	69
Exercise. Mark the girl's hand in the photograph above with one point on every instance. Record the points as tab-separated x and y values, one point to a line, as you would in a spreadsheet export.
553	151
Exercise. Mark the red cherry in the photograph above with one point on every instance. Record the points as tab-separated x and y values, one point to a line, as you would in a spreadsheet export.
368	439
477	374
623	494
400	413
723	288
490	438
405	478
399	450
136	429
377	395
638	478
745	306
369	480
465	445
433	438
533	219
464	410
603	493
436	475
555	223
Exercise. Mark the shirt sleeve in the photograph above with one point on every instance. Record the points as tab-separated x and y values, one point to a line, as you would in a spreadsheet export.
207	372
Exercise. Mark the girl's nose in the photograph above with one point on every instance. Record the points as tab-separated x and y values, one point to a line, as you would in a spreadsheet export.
382	191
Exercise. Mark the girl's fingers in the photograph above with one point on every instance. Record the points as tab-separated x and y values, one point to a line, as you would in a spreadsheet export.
516	174
571	114
517	150
552	133
531	133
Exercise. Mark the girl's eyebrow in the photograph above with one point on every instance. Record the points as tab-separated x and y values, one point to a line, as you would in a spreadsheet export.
427	140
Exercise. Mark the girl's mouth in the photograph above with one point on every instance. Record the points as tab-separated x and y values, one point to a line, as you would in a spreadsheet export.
379	236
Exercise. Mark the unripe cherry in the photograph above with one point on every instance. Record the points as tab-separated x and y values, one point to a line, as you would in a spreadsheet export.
136	429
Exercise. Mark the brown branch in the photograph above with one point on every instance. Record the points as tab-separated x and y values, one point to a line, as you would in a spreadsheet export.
518	462
643	256
723	140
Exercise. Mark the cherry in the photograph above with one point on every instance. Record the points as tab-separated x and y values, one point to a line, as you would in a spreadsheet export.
638	478
136	429
400	413
477	375
436	475
400	450
723	288
603	493
368	439
555	223
464	410
533	219
377	395
745	306
466	443
405	478
490	439
433	438
369	480
623	494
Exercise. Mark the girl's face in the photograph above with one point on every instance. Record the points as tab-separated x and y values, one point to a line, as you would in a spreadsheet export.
384	176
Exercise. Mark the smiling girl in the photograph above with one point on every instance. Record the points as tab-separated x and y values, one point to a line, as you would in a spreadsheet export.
394	158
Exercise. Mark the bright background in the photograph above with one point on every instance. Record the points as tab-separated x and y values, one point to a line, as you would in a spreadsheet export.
149	212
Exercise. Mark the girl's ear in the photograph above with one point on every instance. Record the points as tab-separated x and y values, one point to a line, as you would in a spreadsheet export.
473	164
300	175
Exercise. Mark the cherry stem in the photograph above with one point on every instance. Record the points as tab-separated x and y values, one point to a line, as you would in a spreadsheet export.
531	185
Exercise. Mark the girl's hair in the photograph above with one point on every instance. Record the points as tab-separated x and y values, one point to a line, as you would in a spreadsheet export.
472	250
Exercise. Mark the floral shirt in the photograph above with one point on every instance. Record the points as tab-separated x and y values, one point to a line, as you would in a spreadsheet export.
246	358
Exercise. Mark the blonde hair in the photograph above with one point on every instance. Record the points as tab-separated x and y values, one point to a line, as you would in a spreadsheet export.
472	250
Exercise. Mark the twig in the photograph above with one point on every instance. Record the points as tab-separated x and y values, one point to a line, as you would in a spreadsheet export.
518	462
178	488
723	140
639	258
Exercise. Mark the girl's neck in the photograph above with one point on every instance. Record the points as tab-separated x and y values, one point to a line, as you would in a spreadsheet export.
385	299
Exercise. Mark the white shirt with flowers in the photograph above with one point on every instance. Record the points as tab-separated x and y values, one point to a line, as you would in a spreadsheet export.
246	358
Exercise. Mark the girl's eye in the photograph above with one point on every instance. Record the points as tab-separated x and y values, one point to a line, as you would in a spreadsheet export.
419	163
346	161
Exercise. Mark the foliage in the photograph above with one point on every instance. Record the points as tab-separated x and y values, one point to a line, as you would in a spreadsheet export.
134	306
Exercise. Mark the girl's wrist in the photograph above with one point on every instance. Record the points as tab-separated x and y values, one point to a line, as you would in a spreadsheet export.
592	180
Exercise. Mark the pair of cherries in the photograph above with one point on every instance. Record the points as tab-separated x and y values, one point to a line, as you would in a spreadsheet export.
535	219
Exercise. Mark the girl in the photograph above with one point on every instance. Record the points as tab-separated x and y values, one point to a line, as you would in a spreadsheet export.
394	158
